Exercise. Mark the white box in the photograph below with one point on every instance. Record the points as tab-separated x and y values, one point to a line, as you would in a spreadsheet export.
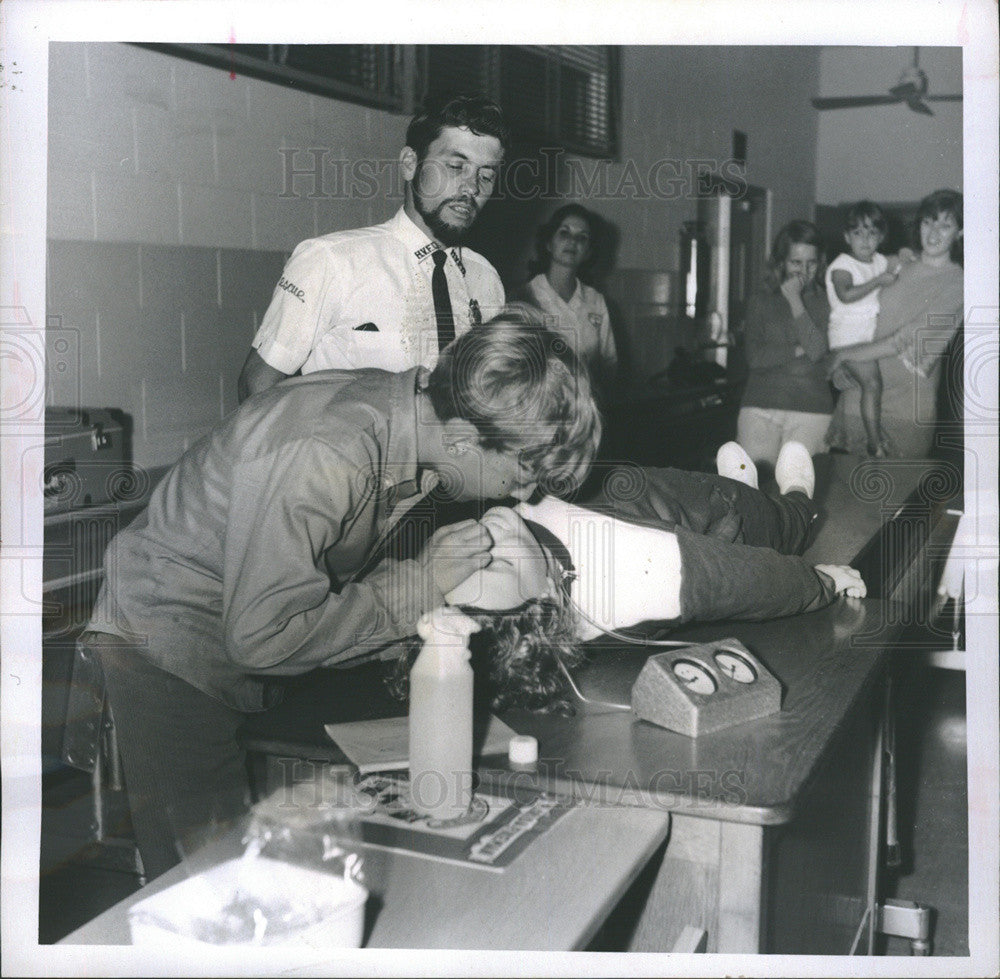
301	906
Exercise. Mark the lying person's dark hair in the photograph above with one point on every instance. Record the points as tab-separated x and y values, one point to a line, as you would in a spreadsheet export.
516	657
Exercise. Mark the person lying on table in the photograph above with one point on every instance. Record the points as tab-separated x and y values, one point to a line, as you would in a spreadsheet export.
654	545
258	552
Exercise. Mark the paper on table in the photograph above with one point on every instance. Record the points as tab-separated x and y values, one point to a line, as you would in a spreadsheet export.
383	745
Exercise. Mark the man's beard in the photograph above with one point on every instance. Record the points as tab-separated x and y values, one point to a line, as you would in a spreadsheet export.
447	234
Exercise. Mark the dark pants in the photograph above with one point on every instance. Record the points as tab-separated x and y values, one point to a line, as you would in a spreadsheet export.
184	770
739	547
708	505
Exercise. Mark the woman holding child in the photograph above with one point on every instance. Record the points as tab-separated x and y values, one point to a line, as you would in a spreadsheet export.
919	315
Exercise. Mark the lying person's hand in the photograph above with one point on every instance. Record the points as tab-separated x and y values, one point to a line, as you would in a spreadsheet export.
454	552
846	580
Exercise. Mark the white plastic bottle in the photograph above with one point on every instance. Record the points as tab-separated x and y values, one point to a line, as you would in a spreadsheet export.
441	716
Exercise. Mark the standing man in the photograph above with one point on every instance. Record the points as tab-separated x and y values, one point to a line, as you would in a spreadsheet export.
393	295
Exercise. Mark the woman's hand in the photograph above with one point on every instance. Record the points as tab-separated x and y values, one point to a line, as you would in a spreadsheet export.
792	287
895	262
835	361
846	580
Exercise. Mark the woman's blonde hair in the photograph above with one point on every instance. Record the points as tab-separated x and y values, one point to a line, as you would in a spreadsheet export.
793	233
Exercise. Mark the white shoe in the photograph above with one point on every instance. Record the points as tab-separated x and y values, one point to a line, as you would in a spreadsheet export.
794	469
732	461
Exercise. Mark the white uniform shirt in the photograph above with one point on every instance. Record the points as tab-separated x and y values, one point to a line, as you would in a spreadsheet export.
362	298
584	321
854	322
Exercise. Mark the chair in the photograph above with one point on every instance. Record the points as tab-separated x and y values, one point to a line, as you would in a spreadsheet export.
90	743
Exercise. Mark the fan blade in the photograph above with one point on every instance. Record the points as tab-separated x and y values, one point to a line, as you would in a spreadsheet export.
906	90
852	101
942	98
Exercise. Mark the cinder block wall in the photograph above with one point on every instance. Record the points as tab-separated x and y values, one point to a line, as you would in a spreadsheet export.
167	228
167	231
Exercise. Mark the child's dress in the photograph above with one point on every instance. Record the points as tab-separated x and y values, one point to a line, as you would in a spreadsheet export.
852	323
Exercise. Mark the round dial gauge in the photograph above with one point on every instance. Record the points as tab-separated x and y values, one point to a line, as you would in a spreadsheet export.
735	666
694	676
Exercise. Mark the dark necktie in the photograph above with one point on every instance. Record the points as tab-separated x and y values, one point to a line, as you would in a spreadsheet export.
442	301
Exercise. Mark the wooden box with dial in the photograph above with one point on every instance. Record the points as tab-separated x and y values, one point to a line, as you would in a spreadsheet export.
699	689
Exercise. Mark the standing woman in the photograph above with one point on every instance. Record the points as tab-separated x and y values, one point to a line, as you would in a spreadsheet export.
565	254
918	316
787	395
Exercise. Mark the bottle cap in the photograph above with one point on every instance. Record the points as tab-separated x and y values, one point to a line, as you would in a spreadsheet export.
446	626
522	750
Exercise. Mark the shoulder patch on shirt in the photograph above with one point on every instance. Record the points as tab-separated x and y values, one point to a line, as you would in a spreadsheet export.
292	289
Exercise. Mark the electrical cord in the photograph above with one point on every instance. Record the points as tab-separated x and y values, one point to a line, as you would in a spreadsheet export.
579	693
622	637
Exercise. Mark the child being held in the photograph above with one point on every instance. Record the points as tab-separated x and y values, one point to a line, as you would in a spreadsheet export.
853	281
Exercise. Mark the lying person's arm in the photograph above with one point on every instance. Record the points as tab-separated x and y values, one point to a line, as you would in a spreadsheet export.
627	573
720	580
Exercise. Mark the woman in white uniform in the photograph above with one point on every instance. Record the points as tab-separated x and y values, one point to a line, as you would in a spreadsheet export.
565	253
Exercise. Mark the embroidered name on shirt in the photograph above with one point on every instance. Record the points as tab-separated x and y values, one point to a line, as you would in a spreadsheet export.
426	250
292	289
458	260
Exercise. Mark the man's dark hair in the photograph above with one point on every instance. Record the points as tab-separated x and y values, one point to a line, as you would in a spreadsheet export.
477	113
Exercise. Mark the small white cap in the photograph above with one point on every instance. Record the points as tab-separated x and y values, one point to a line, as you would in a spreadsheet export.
522	750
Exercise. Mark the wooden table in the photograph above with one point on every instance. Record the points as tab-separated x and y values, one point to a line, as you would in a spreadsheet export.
554	896
775	837
762	811
775	834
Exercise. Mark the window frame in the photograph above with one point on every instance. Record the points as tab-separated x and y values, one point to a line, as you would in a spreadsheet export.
236	58
407	84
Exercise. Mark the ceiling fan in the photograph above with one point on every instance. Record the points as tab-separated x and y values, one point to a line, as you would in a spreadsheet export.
911	89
